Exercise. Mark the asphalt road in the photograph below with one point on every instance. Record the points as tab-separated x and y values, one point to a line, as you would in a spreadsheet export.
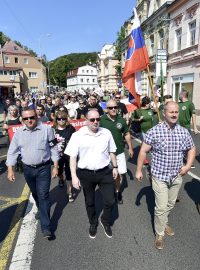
132	245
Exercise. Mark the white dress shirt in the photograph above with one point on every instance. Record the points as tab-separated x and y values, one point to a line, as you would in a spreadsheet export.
92	149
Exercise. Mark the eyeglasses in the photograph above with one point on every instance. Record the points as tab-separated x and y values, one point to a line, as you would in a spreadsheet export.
94	119
29	118
113	107
61	119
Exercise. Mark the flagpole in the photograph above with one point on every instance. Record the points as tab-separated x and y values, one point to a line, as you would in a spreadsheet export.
154	98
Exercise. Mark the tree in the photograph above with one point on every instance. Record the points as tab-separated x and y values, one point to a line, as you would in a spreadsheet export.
118	50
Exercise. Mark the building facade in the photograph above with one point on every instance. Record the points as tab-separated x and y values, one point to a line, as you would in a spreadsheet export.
82	79
20	71
106	72
184	50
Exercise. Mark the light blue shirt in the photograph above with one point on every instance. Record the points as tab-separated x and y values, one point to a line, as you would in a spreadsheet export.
34	145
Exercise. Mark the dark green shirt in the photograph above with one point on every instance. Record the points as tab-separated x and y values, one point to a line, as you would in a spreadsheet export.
118	128
186	110
147	121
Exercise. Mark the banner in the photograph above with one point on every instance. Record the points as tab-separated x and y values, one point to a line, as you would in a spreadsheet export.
76	123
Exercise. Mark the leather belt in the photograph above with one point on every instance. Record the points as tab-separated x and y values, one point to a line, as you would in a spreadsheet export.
38	165
93	171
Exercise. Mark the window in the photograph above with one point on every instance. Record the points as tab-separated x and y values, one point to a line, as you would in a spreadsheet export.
33	75
161	38
5	72
93	80
16	60
15	48
178	39
88	80
33	89
82	80
192	29
26	61
1	72
87	71
152	43
91	71
6	59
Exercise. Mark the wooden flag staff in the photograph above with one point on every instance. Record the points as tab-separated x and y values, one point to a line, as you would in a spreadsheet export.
154	98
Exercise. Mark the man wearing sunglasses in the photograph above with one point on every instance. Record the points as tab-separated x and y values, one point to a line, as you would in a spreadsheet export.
91	149
36	144
122	110
119	129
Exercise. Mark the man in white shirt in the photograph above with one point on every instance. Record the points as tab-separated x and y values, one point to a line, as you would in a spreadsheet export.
72	106
91	149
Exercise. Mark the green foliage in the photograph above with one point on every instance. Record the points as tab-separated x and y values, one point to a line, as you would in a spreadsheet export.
59	67
26	48
118	50
3	38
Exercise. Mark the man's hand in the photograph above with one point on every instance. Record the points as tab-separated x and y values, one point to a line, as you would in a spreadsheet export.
76	182
130	151
115	173
196	131
139	176
11	176
184	170
54	172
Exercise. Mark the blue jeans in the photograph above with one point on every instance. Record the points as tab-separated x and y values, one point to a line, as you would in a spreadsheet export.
39	180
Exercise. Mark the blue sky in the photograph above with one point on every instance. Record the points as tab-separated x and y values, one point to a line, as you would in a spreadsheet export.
74	25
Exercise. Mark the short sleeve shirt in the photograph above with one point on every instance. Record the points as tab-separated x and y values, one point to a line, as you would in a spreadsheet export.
168	146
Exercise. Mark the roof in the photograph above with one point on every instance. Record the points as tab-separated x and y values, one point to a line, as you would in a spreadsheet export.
11	47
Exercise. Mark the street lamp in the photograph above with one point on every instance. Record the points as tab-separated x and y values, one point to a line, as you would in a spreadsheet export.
41	65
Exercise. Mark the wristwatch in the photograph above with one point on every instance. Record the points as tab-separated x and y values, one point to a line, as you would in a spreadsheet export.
115	167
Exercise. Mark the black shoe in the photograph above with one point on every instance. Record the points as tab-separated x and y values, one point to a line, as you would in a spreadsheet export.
107	230
37	215
92	231
61	183
47	234
119	198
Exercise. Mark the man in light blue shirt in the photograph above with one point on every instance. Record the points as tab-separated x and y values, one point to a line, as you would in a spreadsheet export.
36	144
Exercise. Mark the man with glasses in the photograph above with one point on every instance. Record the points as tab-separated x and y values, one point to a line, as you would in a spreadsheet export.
120	131
91	149
36	144
93	104
122	110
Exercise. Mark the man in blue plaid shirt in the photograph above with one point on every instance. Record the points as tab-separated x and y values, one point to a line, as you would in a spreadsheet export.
167	142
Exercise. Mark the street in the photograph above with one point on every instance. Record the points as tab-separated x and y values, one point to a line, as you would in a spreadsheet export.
132	246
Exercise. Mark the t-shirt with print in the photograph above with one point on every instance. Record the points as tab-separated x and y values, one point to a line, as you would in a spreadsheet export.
63	136
147	121
186	109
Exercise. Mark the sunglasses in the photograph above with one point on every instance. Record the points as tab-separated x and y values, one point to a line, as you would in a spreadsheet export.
61	119
117	97
28	118
94	119
113	107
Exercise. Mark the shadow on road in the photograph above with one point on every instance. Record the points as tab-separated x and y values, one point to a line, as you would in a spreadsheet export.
7	223
3	167
99	206
150	201
59	197
193	190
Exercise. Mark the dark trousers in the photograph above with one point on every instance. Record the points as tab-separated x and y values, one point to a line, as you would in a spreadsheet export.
63	164
39	180
104	179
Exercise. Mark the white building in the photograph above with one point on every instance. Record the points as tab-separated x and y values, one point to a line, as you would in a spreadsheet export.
82	79
107	74
184	50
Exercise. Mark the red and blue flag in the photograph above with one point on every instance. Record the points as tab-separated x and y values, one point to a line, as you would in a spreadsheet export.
137	59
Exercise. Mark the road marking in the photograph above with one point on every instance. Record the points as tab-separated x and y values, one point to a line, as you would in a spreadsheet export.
8	242
194	176
3	156
9	202
22	256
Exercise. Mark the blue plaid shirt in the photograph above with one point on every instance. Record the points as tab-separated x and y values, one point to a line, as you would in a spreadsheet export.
168	148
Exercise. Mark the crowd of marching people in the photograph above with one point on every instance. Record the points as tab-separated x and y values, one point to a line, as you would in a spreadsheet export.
94	155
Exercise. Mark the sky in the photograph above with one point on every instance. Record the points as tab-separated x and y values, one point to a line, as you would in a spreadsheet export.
61	27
